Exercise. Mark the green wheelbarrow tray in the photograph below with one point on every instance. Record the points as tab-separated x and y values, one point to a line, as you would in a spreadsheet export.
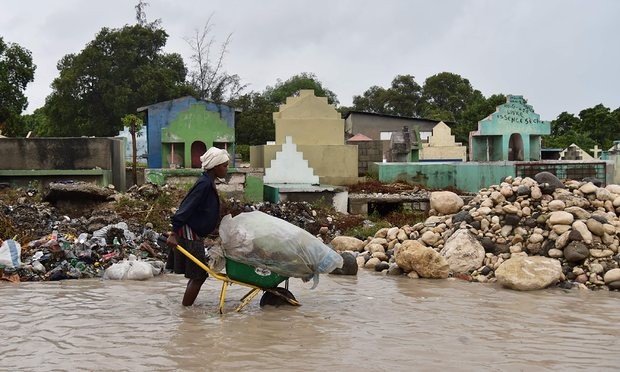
246	275
251	275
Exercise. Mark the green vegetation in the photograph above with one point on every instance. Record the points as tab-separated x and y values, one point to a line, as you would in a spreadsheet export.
244	151
16	71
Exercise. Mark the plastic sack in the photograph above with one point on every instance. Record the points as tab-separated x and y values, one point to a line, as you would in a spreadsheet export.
10	254
131	269
117	271
139	270
260	240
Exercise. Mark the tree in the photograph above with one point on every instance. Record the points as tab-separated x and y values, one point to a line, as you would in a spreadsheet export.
291	87
402	98
208	77
134	124
601	124
477	110
254	124
562	141
119	71
564	123
16	71
374	100
446	96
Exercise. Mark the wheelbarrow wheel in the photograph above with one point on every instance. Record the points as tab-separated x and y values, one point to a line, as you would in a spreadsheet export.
276	300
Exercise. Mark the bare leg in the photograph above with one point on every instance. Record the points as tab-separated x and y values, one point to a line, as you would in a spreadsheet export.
191	292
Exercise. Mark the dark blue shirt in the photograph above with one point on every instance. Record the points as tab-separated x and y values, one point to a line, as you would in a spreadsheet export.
200	209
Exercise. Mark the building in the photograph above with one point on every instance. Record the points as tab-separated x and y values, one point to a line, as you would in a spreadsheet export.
179	131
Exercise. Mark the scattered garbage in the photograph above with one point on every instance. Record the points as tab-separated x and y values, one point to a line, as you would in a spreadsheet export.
111	252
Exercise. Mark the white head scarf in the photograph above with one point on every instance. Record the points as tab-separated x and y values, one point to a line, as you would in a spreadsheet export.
214	157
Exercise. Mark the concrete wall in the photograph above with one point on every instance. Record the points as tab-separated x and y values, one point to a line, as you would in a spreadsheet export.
470	177
473	176
65	158
367	152
371	125
334	164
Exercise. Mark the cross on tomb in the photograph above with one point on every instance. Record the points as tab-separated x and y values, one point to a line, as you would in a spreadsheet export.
595	151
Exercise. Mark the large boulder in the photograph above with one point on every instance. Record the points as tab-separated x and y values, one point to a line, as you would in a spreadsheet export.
463	252
525	273
425	261
349	265
548	182
347	243
446	202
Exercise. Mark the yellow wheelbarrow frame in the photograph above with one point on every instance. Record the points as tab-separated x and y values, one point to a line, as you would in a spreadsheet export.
226	281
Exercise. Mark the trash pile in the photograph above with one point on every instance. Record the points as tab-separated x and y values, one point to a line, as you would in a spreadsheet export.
59	256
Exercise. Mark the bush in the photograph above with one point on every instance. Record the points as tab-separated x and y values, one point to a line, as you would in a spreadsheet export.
244	151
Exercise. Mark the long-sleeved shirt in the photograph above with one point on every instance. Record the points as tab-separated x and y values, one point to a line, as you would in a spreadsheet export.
200	209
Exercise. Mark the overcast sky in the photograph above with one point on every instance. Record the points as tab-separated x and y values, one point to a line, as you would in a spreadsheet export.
561	55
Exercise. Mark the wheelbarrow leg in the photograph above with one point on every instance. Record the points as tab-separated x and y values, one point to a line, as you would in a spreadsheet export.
247	294
247	298
223	296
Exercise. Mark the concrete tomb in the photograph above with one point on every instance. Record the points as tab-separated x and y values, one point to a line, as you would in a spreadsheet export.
512	133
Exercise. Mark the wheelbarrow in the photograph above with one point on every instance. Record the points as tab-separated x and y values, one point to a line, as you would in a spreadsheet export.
246	275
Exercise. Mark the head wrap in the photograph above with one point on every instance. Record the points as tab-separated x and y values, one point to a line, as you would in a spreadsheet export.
214	157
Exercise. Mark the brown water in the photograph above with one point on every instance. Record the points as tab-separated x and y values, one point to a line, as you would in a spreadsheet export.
363	323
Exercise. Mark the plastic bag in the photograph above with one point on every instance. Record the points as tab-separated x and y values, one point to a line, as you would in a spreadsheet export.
10	254
117	271
260	240
131	269
139	270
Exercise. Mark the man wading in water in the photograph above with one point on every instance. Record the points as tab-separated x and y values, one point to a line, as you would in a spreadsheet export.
197	217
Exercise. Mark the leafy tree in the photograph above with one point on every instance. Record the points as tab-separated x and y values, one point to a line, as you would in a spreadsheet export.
562	141
601	124
35	123
207	76
119	71
374	100
402	98
254	124
291	87
16	71
564	123
446	96
134	124
477	110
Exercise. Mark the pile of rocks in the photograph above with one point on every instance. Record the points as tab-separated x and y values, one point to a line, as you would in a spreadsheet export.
524	233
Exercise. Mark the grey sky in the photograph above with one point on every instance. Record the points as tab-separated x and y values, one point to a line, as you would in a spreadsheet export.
561	55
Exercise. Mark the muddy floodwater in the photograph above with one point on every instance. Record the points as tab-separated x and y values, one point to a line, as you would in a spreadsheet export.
364	323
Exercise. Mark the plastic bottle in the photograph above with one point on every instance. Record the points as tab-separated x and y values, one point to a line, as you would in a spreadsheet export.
82	238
